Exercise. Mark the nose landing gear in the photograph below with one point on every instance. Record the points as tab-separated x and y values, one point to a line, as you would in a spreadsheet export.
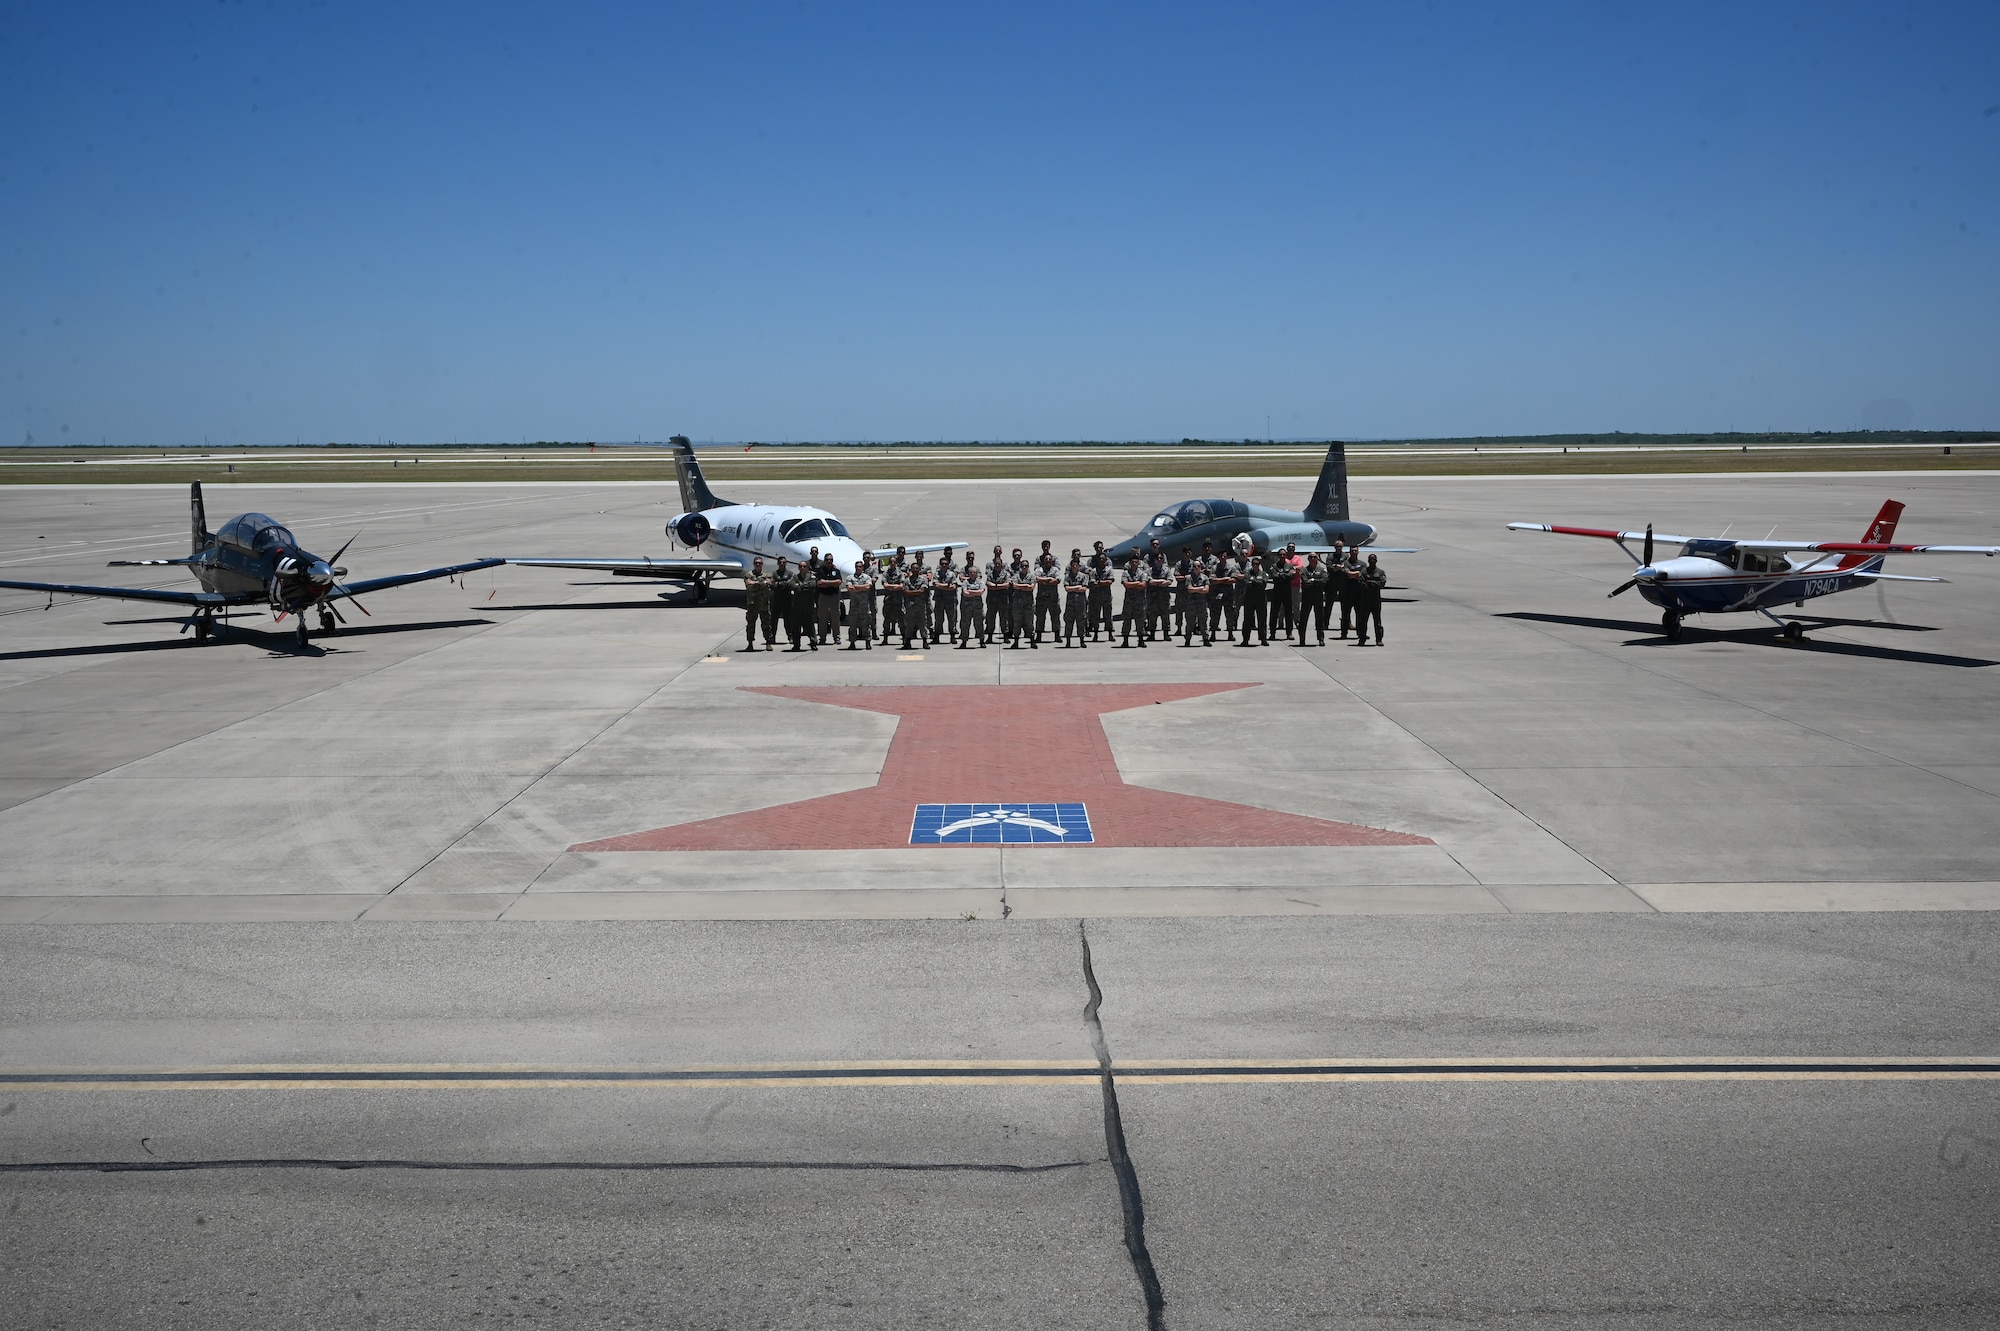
1670	624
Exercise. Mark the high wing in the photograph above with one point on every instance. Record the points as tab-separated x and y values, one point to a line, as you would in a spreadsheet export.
398	579
1861	547
1602	534
138	593
640	568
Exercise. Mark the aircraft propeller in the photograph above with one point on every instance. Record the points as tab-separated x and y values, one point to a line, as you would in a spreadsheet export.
1646	561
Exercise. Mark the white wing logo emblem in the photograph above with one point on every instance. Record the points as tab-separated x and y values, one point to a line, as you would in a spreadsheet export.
992	817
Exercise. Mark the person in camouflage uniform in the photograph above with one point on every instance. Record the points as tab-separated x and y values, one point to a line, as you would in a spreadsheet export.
917	604
972	619
799	597
861	603
892	596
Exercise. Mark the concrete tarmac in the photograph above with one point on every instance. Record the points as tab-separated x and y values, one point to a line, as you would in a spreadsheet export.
312	1018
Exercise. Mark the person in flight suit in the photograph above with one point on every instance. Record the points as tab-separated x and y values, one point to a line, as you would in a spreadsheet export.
892	595
1076	602
1021	578
1195	621
861	603
1312	601
1351	584
828	625
1048	595
1222	590
757	607
801	593
1256	594
971	602
944	601
1136	600
999	591
1159	588
917	604
1336	582
1102	575
1181	568
1279	565
1368	601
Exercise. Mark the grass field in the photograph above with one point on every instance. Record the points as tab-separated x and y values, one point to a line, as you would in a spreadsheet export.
968	462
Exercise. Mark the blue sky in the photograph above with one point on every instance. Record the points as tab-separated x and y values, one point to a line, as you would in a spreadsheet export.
255	223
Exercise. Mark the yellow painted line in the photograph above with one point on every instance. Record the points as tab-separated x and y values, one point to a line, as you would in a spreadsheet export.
1003	1072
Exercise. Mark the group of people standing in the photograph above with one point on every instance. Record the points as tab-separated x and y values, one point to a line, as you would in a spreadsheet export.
1277	595
1016	600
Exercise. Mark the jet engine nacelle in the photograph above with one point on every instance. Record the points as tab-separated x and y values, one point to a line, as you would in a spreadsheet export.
690	529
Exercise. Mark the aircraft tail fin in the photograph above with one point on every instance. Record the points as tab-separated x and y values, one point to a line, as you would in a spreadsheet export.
695	494
1880	532
1329	499
197	520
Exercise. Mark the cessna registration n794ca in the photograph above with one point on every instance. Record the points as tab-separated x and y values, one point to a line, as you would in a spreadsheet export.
1715	575
736	533
252	559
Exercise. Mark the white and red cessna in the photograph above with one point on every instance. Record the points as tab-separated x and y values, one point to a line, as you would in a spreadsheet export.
1716	575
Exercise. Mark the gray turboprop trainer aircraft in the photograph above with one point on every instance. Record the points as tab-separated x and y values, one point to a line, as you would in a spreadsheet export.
252	559
1184	526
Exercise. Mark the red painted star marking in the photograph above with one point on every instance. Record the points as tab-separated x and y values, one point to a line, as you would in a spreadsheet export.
961	744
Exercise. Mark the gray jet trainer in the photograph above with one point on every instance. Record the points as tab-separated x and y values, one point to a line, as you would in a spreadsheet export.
1184	526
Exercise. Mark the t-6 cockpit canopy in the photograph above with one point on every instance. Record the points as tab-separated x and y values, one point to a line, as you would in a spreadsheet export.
254	531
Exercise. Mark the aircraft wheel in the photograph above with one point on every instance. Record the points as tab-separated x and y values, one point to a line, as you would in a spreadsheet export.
1670	624
700	590
302	631
1794	631
326	625
201	628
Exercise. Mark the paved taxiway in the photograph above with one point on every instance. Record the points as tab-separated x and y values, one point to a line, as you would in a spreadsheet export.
1716	853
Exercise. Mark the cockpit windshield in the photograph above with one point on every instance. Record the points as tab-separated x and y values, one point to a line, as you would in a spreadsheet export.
1193	513
1722	552
812	529
833	525
273	535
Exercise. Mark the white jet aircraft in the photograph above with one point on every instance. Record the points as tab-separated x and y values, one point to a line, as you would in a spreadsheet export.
736	533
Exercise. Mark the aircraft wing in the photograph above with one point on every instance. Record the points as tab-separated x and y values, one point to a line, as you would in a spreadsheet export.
640	568
138	593
1863	547
398	579
1601	533
888	551
1892	577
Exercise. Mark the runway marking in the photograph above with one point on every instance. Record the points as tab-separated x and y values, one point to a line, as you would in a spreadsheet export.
1006	1072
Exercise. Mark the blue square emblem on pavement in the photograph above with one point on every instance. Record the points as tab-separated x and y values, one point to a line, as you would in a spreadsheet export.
1000	825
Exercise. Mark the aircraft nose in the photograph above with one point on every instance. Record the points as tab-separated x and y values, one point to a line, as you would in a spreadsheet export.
320	573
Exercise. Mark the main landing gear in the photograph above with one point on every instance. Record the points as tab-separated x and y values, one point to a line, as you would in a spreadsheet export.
1794	631
1670	624
700	588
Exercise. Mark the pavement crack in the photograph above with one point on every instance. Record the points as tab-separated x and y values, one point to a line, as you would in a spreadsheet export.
1130	1201
529	1166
